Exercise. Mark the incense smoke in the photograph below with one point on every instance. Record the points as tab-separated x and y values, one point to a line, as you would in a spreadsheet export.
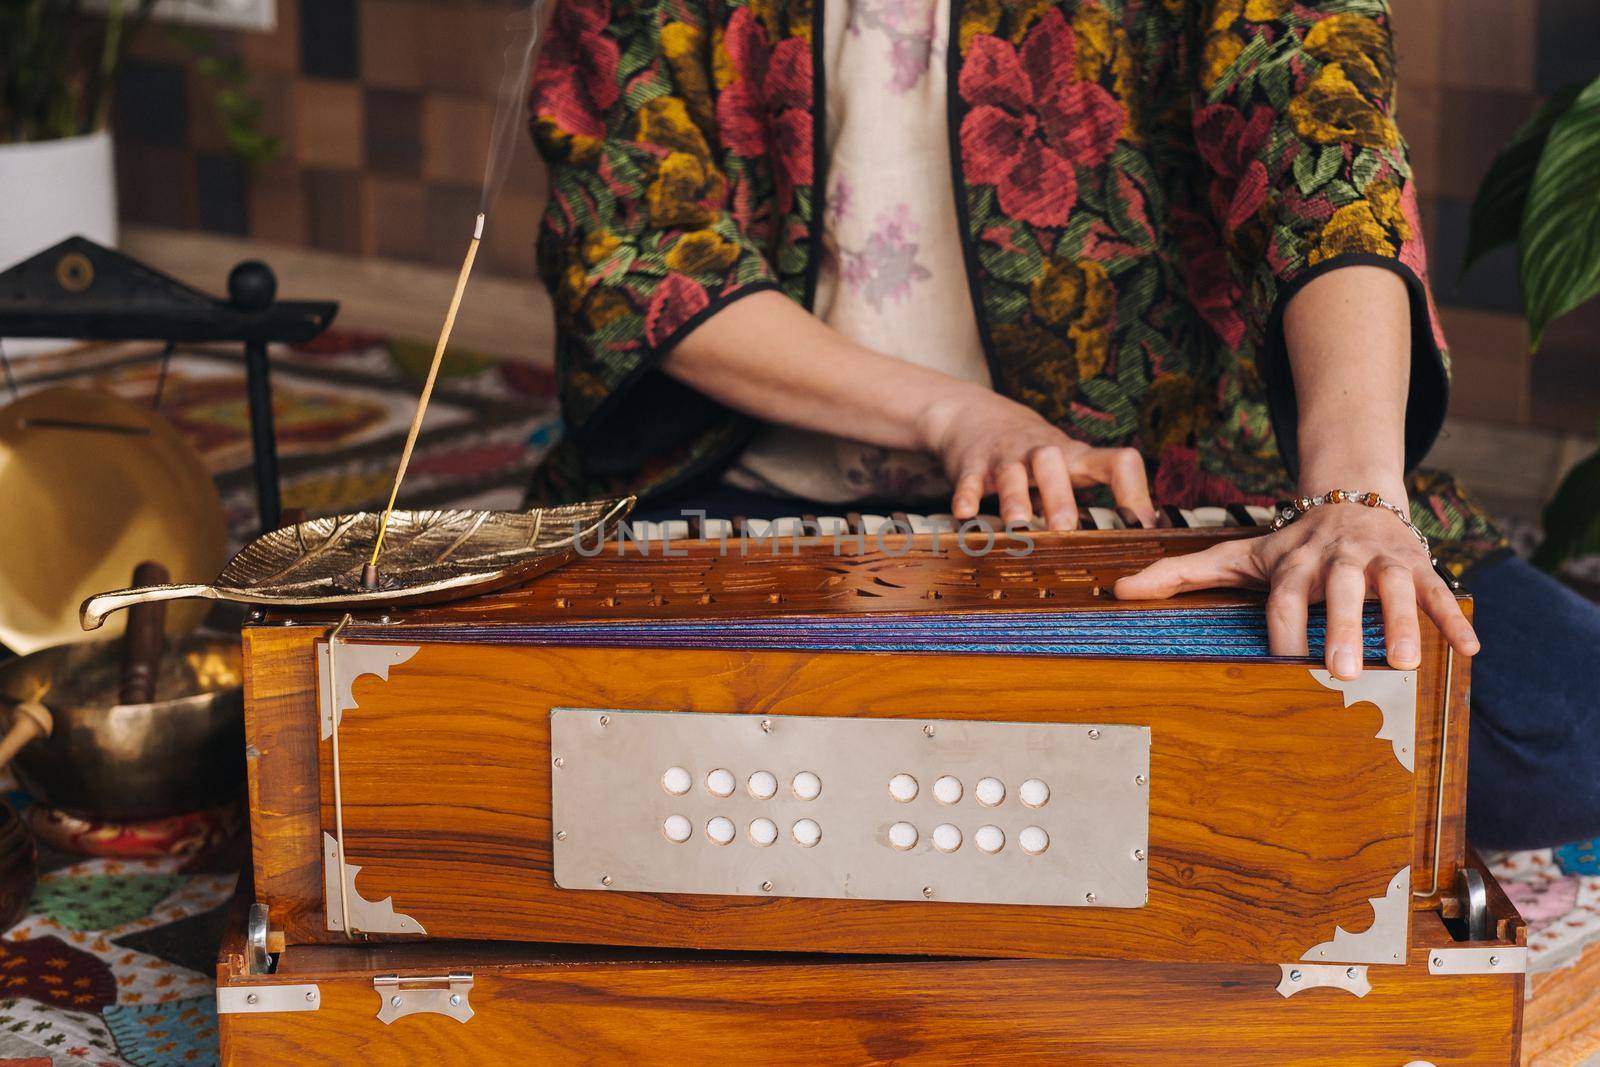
511	103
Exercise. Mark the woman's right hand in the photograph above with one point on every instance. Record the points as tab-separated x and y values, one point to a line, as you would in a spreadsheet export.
991	445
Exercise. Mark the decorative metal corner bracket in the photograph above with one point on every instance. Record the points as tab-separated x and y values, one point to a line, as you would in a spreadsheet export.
239	999
402	995
1395	694
366	916
355	661
1508	960
1299	977
1382	942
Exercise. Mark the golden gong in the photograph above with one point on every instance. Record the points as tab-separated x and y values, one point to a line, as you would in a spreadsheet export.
90	485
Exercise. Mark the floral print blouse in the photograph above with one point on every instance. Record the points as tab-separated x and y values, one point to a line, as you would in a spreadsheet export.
1140	187
891	275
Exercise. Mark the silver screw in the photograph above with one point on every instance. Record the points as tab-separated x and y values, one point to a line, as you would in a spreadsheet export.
311	994
252	999
1089	898
928	729
605	720
766	726
766	887
1138	779
605	879
561	835
455	1000
394	1002
1494	961
1138	853
1438	961
1352	973
1094	735
1295	976
560	762
927	890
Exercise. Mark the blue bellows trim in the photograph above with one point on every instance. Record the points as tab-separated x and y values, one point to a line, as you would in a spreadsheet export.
1236	632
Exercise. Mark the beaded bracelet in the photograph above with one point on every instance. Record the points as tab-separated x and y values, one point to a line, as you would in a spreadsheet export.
1298	507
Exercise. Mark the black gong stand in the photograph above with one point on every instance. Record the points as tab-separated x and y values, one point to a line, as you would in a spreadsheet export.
85	291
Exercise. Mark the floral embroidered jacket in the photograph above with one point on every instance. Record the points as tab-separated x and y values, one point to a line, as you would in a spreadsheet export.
1142	185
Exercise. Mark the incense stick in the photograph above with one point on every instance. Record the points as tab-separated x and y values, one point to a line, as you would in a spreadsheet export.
370	574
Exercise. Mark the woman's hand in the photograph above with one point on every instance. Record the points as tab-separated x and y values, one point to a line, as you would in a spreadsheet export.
1340	553
989	444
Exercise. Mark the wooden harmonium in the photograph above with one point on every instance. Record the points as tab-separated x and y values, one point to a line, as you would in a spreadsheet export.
900	745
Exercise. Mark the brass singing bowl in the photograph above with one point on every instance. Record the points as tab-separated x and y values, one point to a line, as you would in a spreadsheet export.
181	752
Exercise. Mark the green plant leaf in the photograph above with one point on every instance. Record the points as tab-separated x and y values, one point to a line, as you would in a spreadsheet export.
1497	209
1572	518
1559	250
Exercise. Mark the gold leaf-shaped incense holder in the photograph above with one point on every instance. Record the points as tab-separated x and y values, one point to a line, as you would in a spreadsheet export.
429	557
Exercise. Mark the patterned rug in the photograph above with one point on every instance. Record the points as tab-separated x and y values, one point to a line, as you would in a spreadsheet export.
113	965
341	407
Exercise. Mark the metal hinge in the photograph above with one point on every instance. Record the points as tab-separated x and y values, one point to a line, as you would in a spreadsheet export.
264	998
1298	977
1511	959
402	995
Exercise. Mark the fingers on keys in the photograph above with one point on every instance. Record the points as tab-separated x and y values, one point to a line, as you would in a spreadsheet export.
1056	502
1123	470
968	494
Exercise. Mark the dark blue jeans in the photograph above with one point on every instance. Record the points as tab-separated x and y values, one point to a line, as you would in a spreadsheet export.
1533	777
1533	774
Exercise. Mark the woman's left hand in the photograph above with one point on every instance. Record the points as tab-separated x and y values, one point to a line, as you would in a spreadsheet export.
1340	553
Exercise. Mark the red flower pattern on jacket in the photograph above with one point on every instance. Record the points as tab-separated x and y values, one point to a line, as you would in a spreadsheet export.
1032	123
1212	289
765	112
576	80
1231	144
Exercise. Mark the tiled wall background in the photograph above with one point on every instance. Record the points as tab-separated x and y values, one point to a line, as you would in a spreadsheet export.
384	108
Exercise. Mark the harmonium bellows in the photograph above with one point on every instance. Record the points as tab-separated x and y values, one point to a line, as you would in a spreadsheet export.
829	795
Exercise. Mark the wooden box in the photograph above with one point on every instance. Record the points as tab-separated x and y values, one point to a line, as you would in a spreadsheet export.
1451	1002
1284	810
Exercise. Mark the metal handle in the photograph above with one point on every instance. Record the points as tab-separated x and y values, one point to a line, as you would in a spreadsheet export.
99	607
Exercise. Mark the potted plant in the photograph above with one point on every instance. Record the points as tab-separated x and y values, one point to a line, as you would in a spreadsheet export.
1543	193
57	74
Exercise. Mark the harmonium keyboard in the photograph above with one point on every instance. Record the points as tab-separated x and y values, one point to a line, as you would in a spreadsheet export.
859	788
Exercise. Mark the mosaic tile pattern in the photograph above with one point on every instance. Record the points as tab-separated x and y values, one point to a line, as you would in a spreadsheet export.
383	108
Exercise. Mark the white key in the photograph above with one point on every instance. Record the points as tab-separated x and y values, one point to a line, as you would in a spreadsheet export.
873	523
1107	519
920	524
789	526
1263	516
715	529
832	525
675	530
757	527
1211	517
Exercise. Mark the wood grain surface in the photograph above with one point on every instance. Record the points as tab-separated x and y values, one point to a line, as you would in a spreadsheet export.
564	1006
1275	813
